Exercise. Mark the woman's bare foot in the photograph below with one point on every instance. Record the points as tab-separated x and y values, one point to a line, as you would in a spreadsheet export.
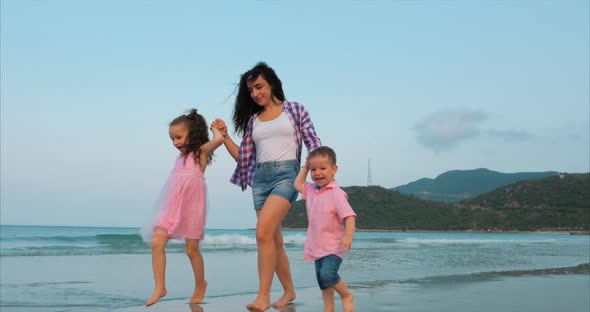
285	300
199	293
158	293
259	305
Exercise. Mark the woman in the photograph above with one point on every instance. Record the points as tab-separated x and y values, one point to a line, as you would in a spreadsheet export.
269	158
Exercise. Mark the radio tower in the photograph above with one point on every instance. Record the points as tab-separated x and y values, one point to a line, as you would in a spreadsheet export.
369	178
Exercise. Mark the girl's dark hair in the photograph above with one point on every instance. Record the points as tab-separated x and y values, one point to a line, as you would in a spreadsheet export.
244	106
198	133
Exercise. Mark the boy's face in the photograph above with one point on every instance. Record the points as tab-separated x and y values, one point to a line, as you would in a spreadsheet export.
179	136
322	170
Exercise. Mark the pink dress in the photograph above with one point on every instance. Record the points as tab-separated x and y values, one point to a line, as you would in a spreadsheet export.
183	203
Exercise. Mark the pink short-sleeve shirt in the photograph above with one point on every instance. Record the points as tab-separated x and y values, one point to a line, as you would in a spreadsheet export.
326	211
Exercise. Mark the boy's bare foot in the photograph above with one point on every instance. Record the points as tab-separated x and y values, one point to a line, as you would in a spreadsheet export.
285	300
258	305
199	293
158	293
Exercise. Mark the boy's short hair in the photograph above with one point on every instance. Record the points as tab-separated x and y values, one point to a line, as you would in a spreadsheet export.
325	152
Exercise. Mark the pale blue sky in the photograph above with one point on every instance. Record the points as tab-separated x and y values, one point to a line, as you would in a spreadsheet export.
419	87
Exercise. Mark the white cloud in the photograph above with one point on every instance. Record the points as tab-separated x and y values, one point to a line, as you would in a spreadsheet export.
444	129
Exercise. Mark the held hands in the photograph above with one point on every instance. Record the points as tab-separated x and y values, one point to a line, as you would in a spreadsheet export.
220	125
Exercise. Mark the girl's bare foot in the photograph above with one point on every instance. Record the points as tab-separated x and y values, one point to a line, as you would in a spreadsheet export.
199	293
158	293
259	305
285	300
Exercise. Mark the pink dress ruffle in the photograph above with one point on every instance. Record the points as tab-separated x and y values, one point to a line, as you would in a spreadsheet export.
183	204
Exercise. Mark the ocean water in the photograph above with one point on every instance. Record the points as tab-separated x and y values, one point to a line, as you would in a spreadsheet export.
104	269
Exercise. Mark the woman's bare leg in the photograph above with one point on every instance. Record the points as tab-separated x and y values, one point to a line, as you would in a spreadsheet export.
283	271
159	241
269	219
194	255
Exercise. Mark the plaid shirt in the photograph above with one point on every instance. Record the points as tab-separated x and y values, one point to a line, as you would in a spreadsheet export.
304	132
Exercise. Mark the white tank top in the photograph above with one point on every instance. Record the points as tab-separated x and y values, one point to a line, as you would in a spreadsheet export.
274	139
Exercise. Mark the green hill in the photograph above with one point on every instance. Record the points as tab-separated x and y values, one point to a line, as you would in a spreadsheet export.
456	185
556	202
542	204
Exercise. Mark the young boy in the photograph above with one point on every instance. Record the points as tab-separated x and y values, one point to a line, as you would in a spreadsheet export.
331	225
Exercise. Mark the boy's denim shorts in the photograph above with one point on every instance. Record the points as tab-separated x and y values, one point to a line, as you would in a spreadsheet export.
274	178
326	271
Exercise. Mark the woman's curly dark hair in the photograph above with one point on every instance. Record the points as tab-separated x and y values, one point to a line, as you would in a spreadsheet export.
245	106
198	133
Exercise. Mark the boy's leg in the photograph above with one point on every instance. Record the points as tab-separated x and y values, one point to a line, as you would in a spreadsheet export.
328	296
193	253
345	295
327	292
159	241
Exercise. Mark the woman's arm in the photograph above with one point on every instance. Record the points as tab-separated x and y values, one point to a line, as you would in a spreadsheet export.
310	137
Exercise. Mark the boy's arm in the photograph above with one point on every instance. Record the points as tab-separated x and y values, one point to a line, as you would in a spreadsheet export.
349	228
300	179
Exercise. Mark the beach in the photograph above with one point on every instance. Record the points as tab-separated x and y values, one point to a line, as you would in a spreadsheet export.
109	269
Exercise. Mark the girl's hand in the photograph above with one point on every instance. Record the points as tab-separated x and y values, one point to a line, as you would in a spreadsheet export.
220	124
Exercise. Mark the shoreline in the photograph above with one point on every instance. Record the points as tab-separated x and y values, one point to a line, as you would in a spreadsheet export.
572	232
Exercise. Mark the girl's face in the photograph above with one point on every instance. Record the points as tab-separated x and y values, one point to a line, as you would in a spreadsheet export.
260	91
179	137
322	170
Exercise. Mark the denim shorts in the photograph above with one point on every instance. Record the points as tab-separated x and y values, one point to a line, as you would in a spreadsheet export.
274	178
326	271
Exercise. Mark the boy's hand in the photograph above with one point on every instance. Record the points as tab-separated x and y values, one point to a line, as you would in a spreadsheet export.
346	243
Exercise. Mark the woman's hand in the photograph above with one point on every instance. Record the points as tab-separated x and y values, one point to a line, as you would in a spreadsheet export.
220	124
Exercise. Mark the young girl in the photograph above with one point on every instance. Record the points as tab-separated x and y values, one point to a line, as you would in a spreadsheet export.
182	205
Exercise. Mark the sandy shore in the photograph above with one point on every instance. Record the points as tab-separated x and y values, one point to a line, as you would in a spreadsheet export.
526	293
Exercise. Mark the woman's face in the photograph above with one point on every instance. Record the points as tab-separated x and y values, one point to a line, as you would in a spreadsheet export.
260	91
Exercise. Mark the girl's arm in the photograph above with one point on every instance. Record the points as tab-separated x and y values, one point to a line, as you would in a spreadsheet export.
232	148
300	179
212	145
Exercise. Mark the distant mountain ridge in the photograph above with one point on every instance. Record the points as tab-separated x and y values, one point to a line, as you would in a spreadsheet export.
560	202
457	185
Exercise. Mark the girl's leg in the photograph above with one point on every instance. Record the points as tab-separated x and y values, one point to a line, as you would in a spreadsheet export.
159	264
193	253
328	296
283	271
345	295
269	219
